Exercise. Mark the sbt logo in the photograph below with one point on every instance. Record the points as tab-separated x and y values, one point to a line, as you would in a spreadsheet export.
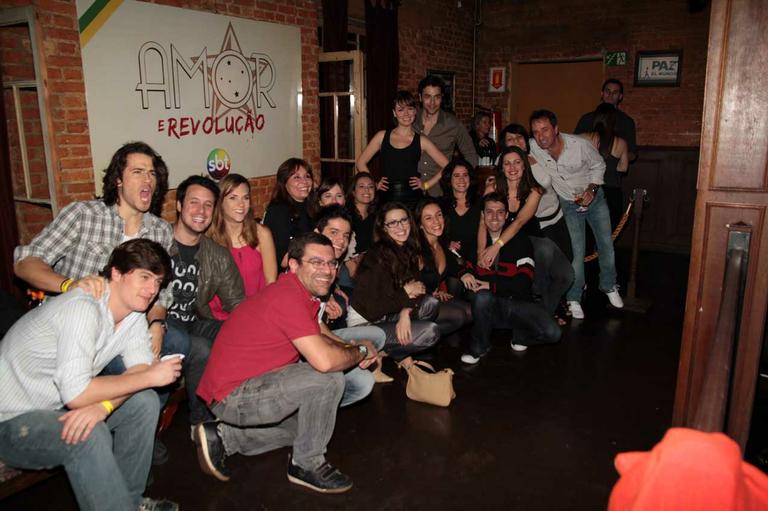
219	164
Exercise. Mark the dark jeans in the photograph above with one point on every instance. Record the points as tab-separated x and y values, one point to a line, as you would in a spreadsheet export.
294	405
201	334
553	275
530	322
558	232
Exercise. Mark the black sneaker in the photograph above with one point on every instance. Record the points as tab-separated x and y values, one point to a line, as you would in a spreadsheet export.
148	504
210	450
325	478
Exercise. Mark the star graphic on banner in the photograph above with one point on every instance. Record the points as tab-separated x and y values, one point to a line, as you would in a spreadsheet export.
231	78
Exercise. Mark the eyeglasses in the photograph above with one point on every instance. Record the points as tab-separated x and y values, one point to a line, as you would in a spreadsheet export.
397	223
319	264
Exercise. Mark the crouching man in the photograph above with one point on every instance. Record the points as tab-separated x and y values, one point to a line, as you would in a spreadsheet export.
502	295
54	410
255	385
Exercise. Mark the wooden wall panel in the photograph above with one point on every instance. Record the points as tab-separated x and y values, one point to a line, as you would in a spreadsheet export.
732	187
709	280
742	126
669	176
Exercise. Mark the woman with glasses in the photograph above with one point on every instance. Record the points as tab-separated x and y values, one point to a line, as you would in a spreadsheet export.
249	242
388	291
438	263
401	150
287	215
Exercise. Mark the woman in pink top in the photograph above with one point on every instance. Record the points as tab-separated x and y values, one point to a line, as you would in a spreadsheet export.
249	242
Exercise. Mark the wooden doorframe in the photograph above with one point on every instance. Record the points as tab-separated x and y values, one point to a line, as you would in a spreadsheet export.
732	189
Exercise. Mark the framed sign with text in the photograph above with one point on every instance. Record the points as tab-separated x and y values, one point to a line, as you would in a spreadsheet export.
212	94
658	68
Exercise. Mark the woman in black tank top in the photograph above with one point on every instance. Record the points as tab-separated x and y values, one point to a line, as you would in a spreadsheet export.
401	149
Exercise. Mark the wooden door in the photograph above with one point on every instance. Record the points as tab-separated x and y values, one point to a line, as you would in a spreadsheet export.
732	190
567	88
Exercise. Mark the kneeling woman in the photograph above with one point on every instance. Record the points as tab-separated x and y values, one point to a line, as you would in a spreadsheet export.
387	290
438	263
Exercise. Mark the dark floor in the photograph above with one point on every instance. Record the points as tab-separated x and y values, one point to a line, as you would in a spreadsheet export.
530	431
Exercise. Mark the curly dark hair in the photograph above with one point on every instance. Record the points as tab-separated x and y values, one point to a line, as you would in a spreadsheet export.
431	81
527	181
445	181
114	173
402	261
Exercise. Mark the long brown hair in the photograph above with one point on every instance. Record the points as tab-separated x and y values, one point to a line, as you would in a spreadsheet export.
401	261
527	181
218	230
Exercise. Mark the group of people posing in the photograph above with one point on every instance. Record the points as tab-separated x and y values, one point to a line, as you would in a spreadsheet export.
276	324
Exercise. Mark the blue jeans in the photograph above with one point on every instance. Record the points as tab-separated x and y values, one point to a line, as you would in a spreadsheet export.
358	383
108	471
599	219
530	322
294	405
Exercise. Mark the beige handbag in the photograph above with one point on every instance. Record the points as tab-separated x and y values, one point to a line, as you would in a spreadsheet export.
429	386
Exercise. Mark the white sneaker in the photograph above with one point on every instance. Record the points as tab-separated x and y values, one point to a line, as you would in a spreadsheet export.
517	347
615	298
468	358
575	309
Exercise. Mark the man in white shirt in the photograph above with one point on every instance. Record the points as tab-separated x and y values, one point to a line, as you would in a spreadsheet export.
577	172
55	410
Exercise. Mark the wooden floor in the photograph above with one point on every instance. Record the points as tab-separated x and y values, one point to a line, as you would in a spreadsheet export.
530	431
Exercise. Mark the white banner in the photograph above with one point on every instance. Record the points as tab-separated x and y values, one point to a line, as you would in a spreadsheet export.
212	94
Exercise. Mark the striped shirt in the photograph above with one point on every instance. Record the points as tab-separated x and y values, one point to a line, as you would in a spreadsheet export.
81	238
52	353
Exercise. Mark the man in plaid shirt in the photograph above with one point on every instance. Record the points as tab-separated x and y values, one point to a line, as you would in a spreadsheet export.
71	251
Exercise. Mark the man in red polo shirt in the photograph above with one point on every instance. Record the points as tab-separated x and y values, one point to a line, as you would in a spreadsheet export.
255	386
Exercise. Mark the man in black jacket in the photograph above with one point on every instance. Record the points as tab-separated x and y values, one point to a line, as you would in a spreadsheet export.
202	269
502	293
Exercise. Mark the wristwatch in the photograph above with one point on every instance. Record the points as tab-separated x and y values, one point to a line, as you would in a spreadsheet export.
363	349
594	189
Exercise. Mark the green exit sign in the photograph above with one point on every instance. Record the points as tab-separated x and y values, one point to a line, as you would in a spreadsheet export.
616	58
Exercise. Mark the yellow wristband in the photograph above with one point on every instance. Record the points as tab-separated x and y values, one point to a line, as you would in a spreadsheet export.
500	242
426	186
108	406
64	287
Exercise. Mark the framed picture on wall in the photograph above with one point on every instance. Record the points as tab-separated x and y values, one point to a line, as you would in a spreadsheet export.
449	99
658	68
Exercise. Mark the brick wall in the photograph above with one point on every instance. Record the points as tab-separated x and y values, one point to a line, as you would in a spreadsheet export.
17	65
555	29
437	34
62	67
434	34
